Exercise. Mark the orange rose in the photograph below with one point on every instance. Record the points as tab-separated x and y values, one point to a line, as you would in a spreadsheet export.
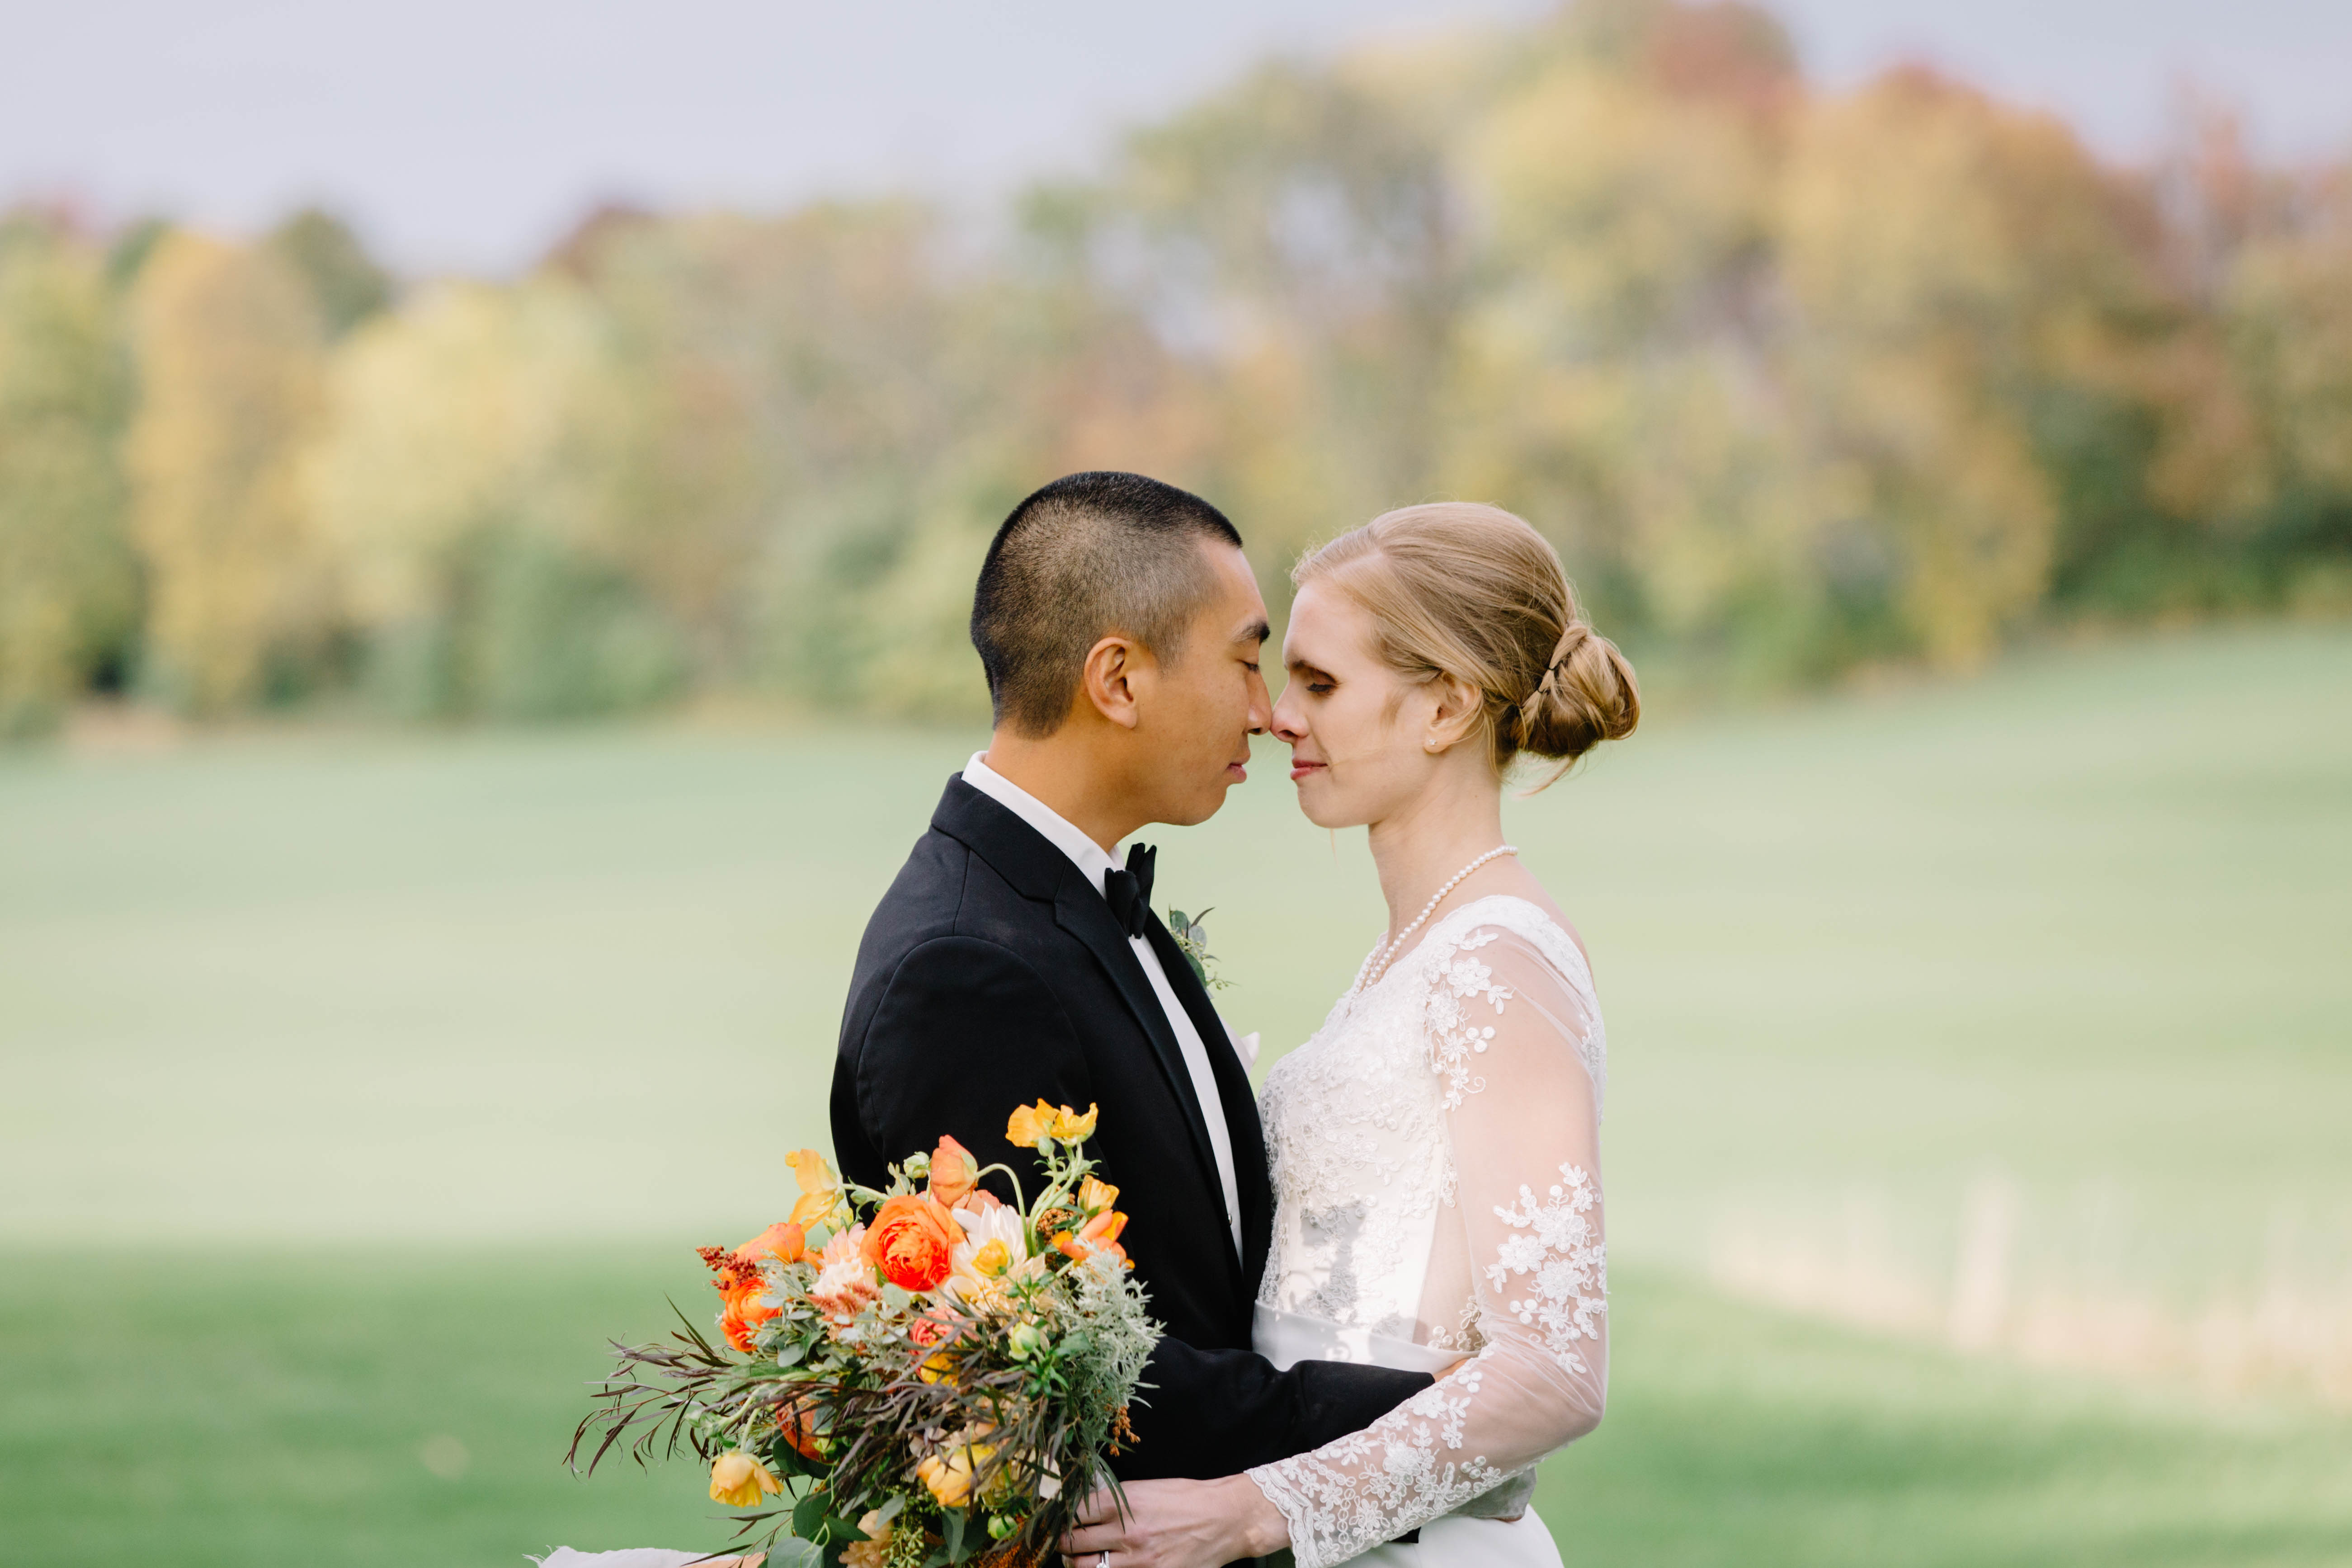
912	1241
783	1241
954	1172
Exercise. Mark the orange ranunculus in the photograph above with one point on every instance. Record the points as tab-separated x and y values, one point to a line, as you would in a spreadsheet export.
820	1188
743	1313
1095	1197
954	1172
783	1241
737	1480
912	1241
1099	1234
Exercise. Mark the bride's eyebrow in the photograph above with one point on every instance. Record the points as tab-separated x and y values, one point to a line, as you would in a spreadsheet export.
1300	666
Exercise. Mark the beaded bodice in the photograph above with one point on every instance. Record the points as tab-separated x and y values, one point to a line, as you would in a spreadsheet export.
1435	1165
1356	1130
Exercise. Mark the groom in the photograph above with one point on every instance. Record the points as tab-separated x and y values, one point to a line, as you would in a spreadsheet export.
1015	959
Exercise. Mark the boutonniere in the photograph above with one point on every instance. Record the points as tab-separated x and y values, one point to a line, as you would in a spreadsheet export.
1192	941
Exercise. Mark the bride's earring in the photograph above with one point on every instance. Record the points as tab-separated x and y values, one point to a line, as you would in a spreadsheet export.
1431	747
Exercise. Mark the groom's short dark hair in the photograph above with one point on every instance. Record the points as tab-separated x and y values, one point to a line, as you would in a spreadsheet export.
1085	556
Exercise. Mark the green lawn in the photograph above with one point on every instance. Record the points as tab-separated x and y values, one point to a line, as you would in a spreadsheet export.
352	1086
247	1409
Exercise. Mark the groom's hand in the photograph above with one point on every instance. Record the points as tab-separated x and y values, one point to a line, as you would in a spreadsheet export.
1177	1524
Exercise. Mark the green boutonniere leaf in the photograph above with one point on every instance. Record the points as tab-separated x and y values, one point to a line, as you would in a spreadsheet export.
1192	940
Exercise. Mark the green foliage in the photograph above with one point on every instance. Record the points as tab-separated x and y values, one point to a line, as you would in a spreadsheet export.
345	283
1798	379
69	580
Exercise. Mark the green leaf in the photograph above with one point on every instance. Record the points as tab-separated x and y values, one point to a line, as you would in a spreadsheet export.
809	1516
951	1526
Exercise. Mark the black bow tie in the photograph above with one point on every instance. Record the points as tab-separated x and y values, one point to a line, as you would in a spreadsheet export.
1129	891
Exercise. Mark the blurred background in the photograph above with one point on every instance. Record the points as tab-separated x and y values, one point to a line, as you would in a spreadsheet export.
489	501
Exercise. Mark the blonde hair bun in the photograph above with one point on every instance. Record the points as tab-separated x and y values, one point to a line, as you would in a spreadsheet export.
1464	589
1588	695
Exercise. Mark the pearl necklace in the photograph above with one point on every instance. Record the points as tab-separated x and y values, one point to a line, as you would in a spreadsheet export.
1377	964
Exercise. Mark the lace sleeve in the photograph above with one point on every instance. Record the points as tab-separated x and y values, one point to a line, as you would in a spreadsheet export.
1515	1046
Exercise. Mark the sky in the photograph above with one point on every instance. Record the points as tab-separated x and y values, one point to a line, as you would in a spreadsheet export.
467	134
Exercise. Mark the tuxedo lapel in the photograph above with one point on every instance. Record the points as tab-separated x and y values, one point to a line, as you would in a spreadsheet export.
1243	1129
1038	871
1086	916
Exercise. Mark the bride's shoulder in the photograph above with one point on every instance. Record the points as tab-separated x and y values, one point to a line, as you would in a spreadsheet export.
1499	918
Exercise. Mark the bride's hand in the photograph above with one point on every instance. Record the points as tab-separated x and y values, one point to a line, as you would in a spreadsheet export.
1177	1524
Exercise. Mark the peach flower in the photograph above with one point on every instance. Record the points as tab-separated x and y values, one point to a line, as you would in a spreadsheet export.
737	1480
783	1241
954	1172
844	1280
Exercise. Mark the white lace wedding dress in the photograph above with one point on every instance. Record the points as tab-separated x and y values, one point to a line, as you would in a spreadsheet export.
1436	1174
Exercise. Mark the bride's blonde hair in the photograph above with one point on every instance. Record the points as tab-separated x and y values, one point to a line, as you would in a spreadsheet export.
1468	590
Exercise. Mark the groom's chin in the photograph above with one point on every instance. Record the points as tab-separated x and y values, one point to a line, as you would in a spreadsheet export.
1198	808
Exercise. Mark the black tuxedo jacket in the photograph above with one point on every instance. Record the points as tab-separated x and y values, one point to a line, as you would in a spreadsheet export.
993	975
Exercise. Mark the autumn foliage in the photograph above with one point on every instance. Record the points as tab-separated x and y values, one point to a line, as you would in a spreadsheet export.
1798	380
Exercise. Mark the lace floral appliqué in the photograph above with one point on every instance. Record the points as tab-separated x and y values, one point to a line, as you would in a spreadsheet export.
1557	1251
1407	1465
1455	1032
1362	1123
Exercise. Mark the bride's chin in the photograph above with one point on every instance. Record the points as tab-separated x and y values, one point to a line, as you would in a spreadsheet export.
1321	814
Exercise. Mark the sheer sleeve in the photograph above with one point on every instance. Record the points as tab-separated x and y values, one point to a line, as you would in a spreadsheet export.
1515	1045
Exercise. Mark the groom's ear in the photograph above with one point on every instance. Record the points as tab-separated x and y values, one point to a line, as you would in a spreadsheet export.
1108	679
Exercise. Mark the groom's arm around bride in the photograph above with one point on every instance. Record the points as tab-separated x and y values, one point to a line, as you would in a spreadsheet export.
1015	959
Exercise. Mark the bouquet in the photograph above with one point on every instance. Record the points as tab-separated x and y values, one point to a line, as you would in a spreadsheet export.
916	1377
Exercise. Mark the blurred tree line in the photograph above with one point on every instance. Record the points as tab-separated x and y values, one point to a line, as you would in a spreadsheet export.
1796	380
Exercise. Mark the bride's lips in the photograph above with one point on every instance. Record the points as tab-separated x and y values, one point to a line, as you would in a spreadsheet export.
1305	770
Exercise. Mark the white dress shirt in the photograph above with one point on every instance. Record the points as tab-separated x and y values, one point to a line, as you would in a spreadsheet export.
1092	860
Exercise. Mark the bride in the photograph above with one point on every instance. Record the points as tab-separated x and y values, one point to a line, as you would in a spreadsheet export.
1436	1145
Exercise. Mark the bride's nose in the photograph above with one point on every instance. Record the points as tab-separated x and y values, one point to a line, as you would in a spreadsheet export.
1287	727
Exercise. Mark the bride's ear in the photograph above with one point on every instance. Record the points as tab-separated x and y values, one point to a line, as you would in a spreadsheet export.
1108	679
1456	716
